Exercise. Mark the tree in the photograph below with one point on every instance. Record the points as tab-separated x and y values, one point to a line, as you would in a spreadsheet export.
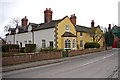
12	24
109	38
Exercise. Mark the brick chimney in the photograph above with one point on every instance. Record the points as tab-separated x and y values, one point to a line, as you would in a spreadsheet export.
47	15
92	23
73	19
109	28
24	21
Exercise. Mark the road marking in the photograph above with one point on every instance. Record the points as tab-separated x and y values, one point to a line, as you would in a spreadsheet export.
97	60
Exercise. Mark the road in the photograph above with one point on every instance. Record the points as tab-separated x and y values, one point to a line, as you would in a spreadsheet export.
96	65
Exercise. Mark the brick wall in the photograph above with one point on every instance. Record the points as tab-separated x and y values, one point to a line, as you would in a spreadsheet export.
85	51
30	57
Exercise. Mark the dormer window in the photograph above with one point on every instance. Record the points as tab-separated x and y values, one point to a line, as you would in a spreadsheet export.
17	30
67	28
29	28
9	31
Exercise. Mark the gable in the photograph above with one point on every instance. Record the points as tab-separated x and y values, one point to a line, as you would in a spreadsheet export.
61	26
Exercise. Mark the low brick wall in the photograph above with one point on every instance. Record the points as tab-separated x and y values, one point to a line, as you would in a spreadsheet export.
12	60
85	51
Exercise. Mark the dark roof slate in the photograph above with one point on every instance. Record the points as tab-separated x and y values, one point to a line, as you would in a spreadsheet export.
80	28
68	34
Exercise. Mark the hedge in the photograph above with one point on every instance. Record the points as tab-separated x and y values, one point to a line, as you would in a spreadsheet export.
30	47
10	47
91	45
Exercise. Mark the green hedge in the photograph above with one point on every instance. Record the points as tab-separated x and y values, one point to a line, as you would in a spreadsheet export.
10	47
22	49
91	45
30	47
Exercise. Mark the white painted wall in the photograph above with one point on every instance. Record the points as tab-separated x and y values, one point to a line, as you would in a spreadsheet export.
10	38
46	34
22	37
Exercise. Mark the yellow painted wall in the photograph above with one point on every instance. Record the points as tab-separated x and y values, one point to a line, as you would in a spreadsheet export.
61	28
85	37
99	33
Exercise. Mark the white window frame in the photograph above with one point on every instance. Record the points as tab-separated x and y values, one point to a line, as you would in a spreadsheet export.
67	44
43	43
67	28
74	43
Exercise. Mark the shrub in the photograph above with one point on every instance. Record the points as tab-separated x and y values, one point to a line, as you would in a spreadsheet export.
92	45
22	49
30	47
10	47
49	49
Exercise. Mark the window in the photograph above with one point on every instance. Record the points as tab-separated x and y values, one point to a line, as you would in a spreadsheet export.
67	44
74	43
51	44
29	41
25	42
81	43
43	43
17	30
81	34
67	28
29	28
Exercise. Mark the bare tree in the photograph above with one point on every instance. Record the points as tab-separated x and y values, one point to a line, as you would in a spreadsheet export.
12	24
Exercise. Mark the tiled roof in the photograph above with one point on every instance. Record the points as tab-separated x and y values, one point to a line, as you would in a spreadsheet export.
80	28
36	27
51	24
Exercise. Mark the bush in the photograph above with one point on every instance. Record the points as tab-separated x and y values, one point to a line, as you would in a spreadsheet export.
22	49
30	47
91	45
10	47
49	49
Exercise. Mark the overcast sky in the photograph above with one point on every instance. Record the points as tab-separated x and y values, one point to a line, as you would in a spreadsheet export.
103	12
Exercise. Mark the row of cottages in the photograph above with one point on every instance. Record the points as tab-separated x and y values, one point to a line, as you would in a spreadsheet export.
61	34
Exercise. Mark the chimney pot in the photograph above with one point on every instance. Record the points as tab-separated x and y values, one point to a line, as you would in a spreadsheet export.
47	15
109	28
92	23
73	19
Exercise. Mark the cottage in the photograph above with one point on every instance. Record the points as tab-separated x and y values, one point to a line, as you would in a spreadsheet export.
62	33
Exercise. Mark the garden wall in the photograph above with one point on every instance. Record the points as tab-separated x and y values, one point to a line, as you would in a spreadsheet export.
12	60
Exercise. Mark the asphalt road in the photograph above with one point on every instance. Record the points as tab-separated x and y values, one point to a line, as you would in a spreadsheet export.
96	65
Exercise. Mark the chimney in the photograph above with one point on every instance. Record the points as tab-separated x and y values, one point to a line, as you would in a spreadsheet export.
24	21
109	28
115	26
73	19
47	15
92	23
